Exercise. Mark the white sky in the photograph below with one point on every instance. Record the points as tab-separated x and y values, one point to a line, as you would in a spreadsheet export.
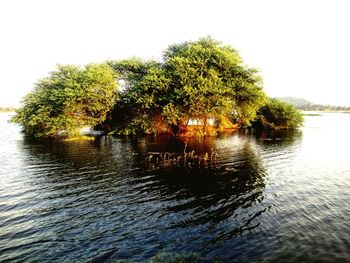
302	47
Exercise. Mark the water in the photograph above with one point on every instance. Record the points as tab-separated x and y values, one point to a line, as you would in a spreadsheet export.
273	196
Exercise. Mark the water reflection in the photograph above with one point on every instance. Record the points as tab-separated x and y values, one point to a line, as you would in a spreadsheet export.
213	193
219	200
276	195
103	194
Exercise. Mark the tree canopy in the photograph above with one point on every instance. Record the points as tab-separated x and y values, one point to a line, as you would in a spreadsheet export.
199	80
210	80
277	114
143	95
68	99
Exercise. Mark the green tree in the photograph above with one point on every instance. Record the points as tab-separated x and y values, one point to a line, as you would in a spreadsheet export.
195	80
277	114
68	99
209	80
144	92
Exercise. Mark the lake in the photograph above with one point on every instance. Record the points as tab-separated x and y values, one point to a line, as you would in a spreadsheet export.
273	196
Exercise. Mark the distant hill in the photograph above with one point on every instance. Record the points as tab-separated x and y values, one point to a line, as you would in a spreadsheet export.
298	102
303	104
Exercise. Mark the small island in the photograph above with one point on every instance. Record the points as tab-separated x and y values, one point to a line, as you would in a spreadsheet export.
198	88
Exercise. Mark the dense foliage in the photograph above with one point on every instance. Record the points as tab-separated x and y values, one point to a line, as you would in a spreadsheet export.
209	80
144	93
198	80
277	114
68	99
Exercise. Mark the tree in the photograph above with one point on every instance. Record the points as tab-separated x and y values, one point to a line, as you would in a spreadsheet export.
144	93
196	80
277	114
199	80
68	99
212	81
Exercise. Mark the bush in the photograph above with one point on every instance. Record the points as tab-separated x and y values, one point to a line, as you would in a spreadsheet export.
279	115
68	99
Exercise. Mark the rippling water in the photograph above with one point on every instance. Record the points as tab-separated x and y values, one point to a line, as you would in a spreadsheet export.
273	196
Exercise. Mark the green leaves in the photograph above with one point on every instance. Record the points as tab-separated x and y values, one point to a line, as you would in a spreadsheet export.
210	80
68	99
279	115
196	80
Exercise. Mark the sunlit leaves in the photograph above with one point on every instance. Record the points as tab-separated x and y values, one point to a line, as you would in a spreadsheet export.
68	99
210	80
279	115
196	80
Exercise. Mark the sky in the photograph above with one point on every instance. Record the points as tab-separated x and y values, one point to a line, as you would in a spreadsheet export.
301	47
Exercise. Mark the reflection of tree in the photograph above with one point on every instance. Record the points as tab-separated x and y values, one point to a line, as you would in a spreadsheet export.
67	167
81	194
109	180
78	153
278	137
213	192
217	194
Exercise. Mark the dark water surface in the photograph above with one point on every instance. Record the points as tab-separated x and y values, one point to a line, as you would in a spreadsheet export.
273	196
